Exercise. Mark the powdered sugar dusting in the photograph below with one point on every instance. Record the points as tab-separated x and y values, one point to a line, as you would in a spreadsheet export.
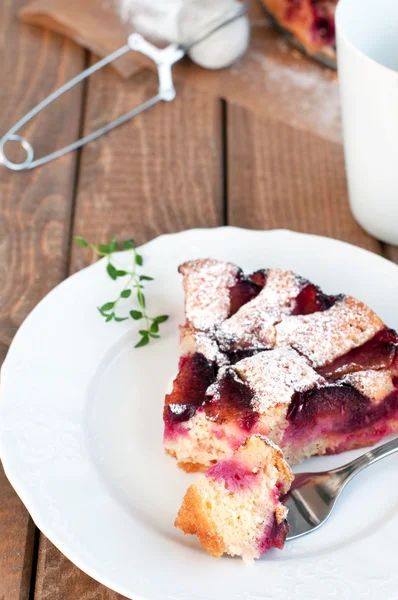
376	385
324	336
252	325
207	298
275	375
209	348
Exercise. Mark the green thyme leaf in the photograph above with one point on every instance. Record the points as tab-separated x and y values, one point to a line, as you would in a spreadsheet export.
143	342
134	282
81	241
161	319
113	245
112	272
107	306
136	315
141	298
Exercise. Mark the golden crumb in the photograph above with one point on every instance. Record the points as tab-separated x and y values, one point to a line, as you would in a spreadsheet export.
194	518
192	467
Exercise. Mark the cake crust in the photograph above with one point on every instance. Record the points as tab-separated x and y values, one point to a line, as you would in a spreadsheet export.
194	518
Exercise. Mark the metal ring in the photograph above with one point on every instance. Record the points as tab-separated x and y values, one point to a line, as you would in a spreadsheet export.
27	146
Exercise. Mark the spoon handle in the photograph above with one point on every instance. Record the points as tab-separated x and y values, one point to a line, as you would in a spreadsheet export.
369	458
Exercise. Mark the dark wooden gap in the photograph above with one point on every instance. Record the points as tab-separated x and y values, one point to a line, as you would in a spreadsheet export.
35	558
82	123
224	140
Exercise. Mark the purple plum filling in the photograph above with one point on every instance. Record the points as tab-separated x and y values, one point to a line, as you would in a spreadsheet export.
274	536
196	374
232	401
379	353
311	299
236	475
241	293
340	408
342	411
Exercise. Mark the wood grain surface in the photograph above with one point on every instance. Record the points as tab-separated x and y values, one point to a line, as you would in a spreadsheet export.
159	173
35	210
195	162
280	177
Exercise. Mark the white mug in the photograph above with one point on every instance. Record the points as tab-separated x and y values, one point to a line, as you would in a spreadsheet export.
367	51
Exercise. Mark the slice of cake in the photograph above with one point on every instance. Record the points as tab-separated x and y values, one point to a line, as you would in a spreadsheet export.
312	22
315	373
235	507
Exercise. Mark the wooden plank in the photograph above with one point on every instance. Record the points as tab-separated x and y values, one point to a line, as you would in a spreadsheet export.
17	542
35	210
159	173
282	177
59	579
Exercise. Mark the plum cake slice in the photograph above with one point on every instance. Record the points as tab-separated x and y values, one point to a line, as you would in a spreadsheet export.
277	357
235	507
312	22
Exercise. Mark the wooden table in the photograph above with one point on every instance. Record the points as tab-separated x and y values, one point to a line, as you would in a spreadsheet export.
198	162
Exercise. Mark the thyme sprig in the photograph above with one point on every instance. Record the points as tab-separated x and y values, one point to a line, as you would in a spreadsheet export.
133	284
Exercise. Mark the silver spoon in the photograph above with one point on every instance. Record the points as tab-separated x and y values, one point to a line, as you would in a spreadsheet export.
313	496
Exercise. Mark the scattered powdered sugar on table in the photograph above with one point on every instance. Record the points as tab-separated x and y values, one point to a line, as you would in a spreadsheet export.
299	91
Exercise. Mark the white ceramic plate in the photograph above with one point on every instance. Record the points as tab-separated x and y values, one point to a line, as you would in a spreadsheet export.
81	436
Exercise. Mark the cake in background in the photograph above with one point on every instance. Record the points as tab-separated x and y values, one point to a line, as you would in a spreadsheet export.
235	507
310	21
